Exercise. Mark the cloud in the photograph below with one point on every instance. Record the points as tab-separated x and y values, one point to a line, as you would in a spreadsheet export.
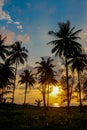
85	34
83	40
85	49
20	27
6	16
3	14
23	38
18	23
11	37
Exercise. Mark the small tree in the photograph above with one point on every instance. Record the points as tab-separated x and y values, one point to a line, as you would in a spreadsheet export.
27	79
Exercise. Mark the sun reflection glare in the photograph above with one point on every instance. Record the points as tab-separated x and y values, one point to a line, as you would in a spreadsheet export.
56	104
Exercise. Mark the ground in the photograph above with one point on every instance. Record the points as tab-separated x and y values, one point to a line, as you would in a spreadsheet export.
20	117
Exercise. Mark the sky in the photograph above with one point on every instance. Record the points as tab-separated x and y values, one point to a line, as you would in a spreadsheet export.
30	20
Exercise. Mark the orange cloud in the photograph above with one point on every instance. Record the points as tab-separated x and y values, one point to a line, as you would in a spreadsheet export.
23	38
11	37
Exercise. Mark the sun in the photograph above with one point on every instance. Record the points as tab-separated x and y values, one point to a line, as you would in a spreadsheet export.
56	90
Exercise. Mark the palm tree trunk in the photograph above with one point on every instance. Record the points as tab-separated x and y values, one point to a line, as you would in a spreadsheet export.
2	96
80	98
25	94
48	97
14	83
67	82
71	89
44	97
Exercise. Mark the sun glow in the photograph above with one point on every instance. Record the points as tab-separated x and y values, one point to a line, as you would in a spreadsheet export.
56	90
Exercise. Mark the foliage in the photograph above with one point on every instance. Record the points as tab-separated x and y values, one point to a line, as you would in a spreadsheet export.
46	75
28	79
17	55
38	102
66	46
15	117
3	48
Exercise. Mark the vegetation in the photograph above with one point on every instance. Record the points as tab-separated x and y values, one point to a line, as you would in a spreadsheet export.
16	117
66	46
46	76
79	63
28	117
27	79
17	55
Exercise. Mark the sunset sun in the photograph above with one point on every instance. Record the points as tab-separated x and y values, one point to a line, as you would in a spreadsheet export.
56	90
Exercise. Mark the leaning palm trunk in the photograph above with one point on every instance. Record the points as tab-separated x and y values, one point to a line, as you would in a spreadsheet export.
80	98
67	82
14	84
25	94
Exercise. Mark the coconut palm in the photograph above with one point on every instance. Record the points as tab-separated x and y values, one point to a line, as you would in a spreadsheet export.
78	63
17	55
6	75
46	75
65	45
27	78
3	48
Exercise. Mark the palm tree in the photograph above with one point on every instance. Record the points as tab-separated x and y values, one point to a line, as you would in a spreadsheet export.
46	75
3	48
78	63
27	78
65	45
6	75
17	55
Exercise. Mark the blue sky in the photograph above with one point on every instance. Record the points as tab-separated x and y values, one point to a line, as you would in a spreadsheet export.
30	20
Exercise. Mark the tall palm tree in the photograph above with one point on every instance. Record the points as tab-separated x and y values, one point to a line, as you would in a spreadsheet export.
6	75
79	63
65	45
3	48
17	55
27	78
46	75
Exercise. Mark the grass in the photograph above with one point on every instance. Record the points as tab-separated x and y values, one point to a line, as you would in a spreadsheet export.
20	117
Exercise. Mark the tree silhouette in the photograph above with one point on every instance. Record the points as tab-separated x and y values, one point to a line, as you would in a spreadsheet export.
27	78
6	75
65	45
78	63
3	48
17	55
46	76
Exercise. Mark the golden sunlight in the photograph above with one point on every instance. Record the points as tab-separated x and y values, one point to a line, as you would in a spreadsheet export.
56	90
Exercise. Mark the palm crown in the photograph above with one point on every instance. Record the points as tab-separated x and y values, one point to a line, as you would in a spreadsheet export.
18	54
27	77
66	43
3	48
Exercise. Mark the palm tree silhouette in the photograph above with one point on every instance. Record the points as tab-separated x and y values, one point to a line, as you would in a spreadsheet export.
65	45
46	75
17	55
6	75
27	78
3	48
79	63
